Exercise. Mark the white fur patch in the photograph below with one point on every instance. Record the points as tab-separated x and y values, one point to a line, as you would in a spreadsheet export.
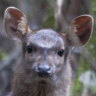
22	25
8	15
46	38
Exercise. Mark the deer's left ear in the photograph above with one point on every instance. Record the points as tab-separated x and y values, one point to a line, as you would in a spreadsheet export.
15	23
81	28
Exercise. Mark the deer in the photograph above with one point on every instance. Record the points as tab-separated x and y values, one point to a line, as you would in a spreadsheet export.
44	68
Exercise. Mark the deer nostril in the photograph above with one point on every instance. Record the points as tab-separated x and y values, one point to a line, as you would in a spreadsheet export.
44	70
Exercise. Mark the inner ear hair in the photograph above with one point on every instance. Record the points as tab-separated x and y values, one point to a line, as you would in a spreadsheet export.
72	37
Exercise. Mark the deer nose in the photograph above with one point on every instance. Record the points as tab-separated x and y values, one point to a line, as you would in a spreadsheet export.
43	71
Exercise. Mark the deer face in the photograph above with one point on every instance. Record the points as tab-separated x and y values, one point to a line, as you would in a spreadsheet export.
46	51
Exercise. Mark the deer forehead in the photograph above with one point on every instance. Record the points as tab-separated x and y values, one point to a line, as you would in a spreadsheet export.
46	38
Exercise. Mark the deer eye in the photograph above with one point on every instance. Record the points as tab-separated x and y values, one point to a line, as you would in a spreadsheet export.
61	52
29	49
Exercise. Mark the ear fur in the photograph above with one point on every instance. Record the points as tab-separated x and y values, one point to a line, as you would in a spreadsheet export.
80	30
15	23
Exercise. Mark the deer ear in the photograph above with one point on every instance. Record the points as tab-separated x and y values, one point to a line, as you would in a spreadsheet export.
15	23
81	28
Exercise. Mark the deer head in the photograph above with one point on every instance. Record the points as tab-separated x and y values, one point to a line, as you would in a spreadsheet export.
46	51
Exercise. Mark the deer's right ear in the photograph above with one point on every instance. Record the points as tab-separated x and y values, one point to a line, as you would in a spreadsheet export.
80	30
15	23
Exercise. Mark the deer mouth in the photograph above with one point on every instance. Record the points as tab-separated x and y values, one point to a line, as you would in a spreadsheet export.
42	82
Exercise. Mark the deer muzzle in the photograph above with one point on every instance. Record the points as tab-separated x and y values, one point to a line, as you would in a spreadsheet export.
43	71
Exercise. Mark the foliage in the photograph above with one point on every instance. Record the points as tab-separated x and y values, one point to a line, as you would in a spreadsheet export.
49	20
3	55
92	42
78	86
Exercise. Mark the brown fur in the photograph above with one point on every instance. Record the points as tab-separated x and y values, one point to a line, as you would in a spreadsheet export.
45	44
26	81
